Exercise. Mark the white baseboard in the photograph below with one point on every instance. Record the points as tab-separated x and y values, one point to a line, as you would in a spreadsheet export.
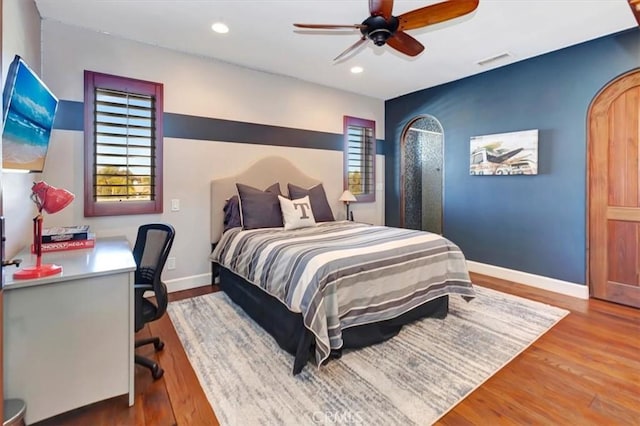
187	283
551	284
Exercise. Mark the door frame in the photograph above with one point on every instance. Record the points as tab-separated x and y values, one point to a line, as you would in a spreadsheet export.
2	254
599	105
402	164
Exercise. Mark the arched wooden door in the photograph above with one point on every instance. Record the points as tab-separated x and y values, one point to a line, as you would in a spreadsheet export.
614	192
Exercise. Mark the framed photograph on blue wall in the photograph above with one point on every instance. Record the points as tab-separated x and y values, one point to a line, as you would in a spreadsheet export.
514	153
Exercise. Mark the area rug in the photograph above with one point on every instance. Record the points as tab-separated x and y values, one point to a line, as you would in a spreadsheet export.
413	378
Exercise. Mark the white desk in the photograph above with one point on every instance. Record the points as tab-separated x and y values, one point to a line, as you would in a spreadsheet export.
69	338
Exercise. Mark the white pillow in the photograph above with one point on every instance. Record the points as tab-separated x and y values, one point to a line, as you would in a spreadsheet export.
296	213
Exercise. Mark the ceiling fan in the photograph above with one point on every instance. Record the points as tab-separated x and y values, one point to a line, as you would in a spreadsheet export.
635	8
384	28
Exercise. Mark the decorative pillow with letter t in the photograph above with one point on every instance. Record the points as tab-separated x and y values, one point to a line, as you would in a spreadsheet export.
296	213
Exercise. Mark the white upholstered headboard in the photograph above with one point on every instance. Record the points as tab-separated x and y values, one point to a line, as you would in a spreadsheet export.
260	175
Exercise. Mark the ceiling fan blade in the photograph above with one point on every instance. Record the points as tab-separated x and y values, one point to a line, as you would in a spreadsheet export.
381	8
350	49
404	43
328	26
635	8
436	13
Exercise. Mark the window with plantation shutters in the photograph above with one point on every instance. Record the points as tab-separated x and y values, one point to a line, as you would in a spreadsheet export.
360	157
123	145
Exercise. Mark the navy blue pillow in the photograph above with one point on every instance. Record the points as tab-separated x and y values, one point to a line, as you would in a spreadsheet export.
319	204
232	213
260	209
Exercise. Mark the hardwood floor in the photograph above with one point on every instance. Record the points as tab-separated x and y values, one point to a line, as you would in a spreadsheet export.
584	371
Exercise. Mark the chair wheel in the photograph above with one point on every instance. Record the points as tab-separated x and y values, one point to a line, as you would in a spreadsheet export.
157	372
159	346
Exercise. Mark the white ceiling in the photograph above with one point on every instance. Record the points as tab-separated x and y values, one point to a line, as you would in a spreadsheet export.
262	36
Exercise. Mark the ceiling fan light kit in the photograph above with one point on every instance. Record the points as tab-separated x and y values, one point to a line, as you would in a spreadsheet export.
381	27
378	29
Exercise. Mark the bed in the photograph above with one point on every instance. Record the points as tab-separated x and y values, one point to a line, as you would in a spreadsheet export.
319	290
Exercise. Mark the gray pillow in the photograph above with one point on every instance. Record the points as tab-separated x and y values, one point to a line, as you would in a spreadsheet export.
260	209
319	204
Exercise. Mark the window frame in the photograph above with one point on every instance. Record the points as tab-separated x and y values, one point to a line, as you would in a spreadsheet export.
366	124
92	207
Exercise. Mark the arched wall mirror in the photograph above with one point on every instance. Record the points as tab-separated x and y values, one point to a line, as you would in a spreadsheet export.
421	174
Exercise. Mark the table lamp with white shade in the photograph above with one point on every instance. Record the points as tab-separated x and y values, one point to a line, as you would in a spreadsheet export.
347	197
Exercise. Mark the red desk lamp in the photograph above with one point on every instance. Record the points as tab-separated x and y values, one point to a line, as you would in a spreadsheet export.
51	200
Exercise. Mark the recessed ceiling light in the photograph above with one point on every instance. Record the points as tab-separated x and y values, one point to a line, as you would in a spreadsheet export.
220	28
357	70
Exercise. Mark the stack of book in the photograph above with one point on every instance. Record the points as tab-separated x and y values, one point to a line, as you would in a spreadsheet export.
66	238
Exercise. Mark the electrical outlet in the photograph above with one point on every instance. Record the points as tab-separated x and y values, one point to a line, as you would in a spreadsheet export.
171	263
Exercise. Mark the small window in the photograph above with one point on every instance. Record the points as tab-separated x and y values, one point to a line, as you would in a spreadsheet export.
360	158
123	145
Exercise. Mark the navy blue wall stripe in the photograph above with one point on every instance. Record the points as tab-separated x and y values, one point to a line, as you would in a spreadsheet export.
535	224
70	116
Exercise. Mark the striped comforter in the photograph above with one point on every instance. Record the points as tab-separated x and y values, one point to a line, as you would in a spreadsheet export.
344	274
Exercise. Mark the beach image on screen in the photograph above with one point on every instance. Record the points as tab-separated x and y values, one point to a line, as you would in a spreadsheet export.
28	123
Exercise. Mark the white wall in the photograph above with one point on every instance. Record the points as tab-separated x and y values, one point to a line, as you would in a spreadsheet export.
20	36
200	87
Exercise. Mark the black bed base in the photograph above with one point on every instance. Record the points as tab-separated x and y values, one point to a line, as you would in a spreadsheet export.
288	329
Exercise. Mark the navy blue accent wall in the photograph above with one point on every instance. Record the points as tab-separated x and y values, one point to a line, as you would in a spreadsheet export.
535	224
70	116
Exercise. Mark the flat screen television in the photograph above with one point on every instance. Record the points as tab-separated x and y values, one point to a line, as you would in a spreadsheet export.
29	110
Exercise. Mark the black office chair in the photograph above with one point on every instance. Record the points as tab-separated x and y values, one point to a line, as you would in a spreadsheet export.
150	252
